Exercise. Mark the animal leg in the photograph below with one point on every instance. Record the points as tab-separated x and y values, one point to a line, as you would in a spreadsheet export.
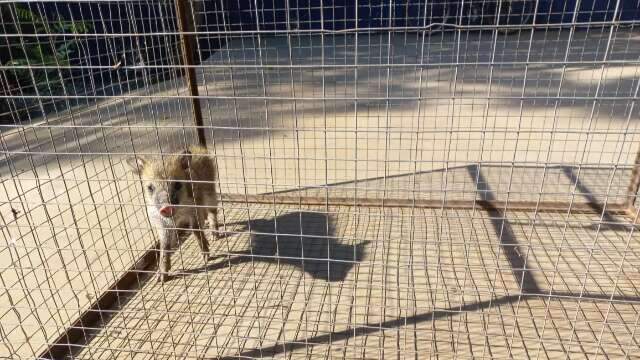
167	237
213	222
203	243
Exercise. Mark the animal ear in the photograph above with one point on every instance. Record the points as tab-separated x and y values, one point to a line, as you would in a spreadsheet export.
136	164
185	159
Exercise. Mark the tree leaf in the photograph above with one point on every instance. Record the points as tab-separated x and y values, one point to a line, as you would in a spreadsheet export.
24	14
18	62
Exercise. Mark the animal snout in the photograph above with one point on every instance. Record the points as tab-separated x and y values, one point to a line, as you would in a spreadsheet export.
167	211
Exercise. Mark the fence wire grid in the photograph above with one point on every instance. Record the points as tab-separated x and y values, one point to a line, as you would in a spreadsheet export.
400	179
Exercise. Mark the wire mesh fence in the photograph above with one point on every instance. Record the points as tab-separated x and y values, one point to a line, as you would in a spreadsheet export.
396	179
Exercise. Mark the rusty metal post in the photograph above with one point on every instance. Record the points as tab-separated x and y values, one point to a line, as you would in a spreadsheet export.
185	24
634	184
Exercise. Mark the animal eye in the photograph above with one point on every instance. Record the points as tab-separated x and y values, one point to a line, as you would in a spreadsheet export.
151	188
177	186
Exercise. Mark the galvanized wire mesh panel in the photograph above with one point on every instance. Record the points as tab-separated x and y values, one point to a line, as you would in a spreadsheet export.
398	179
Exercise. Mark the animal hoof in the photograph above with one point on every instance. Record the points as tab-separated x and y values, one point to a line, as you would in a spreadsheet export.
206	257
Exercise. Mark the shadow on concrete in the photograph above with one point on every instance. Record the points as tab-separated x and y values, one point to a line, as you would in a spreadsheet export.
371	328
529	289
608	221
227	89
505	234
305	240
367	329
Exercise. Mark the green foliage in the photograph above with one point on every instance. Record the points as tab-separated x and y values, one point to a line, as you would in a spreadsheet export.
29	52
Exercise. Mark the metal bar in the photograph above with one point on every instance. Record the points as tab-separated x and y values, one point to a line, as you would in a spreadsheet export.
549	206
187	39
381	29
77	334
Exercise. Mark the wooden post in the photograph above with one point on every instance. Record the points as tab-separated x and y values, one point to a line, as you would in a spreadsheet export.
185	24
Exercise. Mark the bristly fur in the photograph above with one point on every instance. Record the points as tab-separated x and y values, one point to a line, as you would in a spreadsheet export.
185	182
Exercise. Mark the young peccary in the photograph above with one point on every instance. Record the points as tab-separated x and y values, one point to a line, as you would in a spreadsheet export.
180	193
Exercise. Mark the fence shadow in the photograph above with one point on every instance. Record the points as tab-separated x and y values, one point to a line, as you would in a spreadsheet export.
522	272
608	221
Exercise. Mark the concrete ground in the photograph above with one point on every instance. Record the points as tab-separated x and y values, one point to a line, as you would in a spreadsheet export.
400	283
73	219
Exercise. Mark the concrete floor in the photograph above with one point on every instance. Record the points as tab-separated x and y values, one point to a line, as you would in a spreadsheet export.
400	283
79	222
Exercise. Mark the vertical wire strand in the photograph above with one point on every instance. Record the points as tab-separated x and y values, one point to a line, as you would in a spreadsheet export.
419	279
